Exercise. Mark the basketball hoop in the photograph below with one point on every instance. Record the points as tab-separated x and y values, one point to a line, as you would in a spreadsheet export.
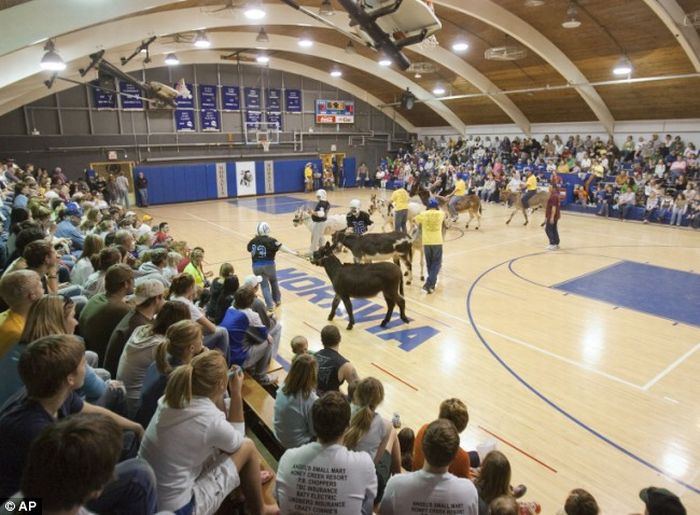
265	145
263	139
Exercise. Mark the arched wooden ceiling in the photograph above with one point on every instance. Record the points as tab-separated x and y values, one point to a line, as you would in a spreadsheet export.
651	33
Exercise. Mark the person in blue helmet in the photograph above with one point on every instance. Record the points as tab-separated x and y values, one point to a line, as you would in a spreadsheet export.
68	226
460	191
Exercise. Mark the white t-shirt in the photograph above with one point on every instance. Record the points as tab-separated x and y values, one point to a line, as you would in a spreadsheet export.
81	271
316	479
421	492
178	443
195	312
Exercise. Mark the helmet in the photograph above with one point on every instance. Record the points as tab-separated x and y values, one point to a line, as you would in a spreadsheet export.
263	229
73	209
355	204
432	203
321	194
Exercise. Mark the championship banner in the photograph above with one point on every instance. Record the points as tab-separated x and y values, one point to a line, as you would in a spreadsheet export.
292	100
103	99
273	100
133	100
209	114
232	98
184	112
245	178
269	176
252	98
335	111
221	182
252	119
274	118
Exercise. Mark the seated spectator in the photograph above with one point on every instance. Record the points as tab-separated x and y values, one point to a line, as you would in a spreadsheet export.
140	350
407	439
659	501
21	195
85	265
51	368
292	417
73	464
104	311
625	202
680	206
171	270
456	412
183	341
197	445
20	290
268	318
372	433
217	286
216	309
251	346
349	477
155	268
147	301
300	346
68	226
504	505
494	481
432	487
195	269
162	236
95	283
580	502
333	369
182	289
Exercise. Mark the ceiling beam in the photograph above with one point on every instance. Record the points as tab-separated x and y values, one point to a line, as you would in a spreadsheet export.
214	57
672	15
496	16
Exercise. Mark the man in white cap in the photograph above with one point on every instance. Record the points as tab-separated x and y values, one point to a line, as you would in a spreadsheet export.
273	326
148	299
319	216
263	249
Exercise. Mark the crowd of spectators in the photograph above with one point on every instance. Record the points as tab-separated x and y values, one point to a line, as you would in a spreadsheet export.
658	175
121	365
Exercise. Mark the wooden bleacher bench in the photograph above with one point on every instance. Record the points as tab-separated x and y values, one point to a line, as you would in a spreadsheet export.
259	407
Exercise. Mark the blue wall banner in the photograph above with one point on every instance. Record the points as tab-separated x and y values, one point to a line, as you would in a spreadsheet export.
209	114
274	118
103	99
133	101
292	100
184	120
273	100
252	98
232	98
252	118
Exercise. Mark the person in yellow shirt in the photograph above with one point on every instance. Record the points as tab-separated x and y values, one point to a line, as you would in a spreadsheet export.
195	269
431	222
19	289
459	192
400	201
530	187
308	177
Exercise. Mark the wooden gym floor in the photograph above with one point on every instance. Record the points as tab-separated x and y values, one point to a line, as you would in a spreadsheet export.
581	364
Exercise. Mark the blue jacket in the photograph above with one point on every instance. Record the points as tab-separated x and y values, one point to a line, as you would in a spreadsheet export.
65	229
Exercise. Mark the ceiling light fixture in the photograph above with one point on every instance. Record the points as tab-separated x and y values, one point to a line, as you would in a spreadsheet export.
438	90
336	73
571	22
51	60
171	60
254	10
305	42
623	66
384	61
201	40
460	46
534	3
262	59
326	8
417	76
262	36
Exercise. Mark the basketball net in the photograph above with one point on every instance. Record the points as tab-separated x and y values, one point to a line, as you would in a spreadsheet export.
265	145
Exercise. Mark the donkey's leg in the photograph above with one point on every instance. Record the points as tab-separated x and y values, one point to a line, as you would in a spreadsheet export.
390	303
348	307
334	306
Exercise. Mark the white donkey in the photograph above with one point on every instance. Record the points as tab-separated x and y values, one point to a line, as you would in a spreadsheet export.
332	224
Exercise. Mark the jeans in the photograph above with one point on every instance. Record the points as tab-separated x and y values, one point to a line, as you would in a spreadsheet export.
676	216
131	492
400	218
269	285
317	238
143	197
258	359
452	205
604	209
527	196
123	198
218	340
552	232
624	209
433	262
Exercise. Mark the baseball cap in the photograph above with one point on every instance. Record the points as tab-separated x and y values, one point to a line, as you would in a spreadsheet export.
251	281
73	209
660	501
147	290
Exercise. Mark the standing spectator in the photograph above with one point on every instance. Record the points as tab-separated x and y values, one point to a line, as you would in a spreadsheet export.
333	369
308	178
431	222
104	311
20	290
142	190
362	172
399	199
432	486
122	190
552	214
319	216
292	417
349	476
196	444
263	248
357	219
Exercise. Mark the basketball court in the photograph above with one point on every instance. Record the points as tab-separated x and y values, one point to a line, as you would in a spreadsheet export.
580	364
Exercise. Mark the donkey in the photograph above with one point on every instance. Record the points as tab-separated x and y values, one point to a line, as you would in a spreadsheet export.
380	246
361	281
537	201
